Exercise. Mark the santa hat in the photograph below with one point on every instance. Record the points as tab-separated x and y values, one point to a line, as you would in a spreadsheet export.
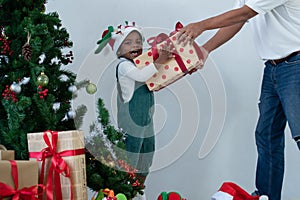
115	37
231	191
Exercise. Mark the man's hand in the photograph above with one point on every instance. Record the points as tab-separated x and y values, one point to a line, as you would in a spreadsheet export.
189	33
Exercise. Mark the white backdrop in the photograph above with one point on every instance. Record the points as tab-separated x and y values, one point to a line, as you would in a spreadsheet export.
205	122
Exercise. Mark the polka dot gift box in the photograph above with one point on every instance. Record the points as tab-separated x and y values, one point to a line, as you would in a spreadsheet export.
186	59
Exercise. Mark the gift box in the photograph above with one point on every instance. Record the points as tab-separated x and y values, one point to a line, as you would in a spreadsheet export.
186	59
6	154
62	167
14	181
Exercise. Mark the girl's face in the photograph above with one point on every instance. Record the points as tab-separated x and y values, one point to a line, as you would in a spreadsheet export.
132	46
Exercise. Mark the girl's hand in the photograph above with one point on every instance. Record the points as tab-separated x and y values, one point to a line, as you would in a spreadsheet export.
165	53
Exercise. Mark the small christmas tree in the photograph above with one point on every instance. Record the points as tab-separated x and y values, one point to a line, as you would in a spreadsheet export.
36	90
106	158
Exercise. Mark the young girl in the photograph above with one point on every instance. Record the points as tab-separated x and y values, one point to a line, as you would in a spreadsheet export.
135	101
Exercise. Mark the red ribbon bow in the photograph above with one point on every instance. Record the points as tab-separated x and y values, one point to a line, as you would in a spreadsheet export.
153	41
26	193
58	165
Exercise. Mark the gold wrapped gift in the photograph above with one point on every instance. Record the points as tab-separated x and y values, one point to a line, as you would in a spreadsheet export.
23	184
187	59
64	149
6	154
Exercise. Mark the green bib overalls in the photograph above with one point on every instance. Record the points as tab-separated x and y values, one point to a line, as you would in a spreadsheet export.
136	119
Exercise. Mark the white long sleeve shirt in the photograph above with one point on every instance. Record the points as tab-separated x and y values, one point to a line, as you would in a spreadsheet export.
128	73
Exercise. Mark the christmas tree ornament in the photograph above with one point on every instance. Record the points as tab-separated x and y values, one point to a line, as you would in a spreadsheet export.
8	94
69	57
66	43
56	106
27	49
71	114
41	58
4	48
91	88
42	93
24	81
42	79
64	78
72	88
15	87
121	196
99	195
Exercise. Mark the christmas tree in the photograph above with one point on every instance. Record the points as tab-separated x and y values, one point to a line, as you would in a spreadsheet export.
37	88
106	158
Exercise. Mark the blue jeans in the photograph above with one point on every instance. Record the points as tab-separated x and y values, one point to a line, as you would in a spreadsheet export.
279	104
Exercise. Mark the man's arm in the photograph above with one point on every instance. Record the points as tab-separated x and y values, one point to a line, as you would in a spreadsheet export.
222	36
227	19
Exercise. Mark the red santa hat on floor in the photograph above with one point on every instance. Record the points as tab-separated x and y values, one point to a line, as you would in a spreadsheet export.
231	191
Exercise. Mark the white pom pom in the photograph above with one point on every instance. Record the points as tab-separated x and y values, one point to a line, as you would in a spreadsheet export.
263	197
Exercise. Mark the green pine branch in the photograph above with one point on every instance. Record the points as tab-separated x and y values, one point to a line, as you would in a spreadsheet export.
103	167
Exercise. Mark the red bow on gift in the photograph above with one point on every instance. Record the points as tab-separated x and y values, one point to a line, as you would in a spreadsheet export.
154	41
57	167
26	193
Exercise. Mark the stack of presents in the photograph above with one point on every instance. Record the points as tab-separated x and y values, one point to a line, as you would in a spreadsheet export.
56	168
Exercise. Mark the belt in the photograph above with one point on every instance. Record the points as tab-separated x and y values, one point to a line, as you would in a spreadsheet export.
276	62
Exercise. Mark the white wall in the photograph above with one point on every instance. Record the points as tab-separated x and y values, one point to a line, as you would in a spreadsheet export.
215	108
